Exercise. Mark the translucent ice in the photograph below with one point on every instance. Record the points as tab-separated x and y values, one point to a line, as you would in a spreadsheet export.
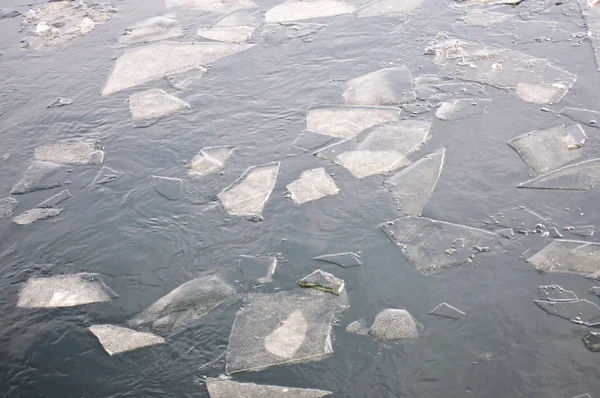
274	34
591	15
389	7
209	160
117	339
582	312
232	34
248	195
555	293
309	141
324	281
219	388
258	269
56	199
359	327
150	30
461	108
390	86
33	215
445	310
344	260
104	176
312	185
183	81
154	104
592	342
576	177
40	175
222	6
585	116
347	121
71	152
568	256
168	187
394	324
7	207
483	18
297	10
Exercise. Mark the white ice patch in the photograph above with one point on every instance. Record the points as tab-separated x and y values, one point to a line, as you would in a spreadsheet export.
117	339
222	6
312	185
151	30
248	195
576	177
209	160
73	152
461	108
394	324
232	34
568	256
348	121
39	176
483	18
33	215
154	104
297	10
389	7
390	86
220	388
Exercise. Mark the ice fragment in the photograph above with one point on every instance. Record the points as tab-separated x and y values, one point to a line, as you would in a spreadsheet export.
117	339
312	185
248	195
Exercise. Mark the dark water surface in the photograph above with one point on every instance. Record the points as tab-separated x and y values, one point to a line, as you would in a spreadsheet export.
145	245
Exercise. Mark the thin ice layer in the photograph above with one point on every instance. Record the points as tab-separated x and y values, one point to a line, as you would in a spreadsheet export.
344	260
381	149
585	116
104	176
592	342
568	256
7	207
461	108
555	293
519	218
248	195
394	324
298	10
576	177
591	16
549	149
155	104
151	30
324	281
153	61
348	121
231	34
483	18
257	269
412	186
33	215
223	6
64	291
168	187
53	201
445	310
359	327
581	312
312	185
389	7
209	160
185	80
39	176
116	339
274	34
432	245
389	86
73	152
219	388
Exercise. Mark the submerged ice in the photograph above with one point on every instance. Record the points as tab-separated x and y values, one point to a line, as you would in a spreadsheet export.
237	26
248	195
209	160
117	339
40	175
7	207
461	108
344	260
257	269
348	121
168	187
483	18
222	388
312	185
154	104
389	86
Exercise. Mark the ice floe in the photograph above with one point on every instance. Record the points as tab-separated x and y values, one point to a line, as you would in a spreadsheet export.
445	310
585	116
390	86
33	215
248	195
185	80
40	175
297	10
64	291
7	207
324	281
461	108
592	342
394	324
489	2
581	312
53	201
348	121
151	105
312	185
569	256
117	339
389	7
168	187
219	388
309	141
257	269
104	176
555	293
359	327
222	6
57	103
72	152
576	177
521	219
237	26
460	88
591	16
344	260
151	30
209	160
483	18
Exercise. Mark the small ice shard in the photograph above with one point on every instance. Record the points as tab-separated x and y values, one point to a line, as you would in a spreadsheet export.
248	195
183	81
60	102
432	245
231	34
483	18
222	6
151	30
569	256
258	269
104	176
591	16
116	339
348	121
7	207
8	13
297	10
381	149
312	185
220	388
56	199
445	310
73	152
184	305
170	188
555	293
581	312
412	186
359	327
585	116
592	342
64	291
394	324
209	160
155	104
389	86
39	176
389	7
274	34
33	215
309	141
324	281
144	64
461	108
344	260
576	177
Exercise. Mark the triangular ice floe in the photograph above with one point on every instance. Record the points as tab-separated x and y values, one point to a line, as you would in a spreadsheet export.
312	185
220	388
116	339
209	160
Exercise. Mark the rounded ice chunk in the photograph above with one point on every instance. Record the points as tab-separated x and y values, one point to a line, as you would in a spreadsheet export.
394	324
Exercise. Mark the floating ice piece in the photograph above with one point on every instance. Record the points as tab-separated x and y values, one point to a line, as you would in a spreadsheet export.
585	116
64	291
60	102
568	256
309	141
8	13
56	199
150	30
591	16
39	176
445	310
412	186
390	86
312	185
184	305
389	7
521	219
209	160
248	195
359	327
576	177
549	149
104	176
324	281
556	293
297	10
275	34
33	215
463	88
348	121
71	152
483	18
243	17
432	245
258	269
344	260
592	342
461	108
219	388
153	61
231	34
581	312
7	207
170	188
154	104
490	2
117	339
394	324
223	6
183	81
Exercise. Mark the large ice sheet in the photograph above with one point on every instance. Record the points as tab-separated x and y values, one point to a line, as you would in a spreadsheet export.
219	388
389	86
581	312
591	15
389	7
64	291
412	186
248	195
394	324
297	10
461	108
33	215
40	175
153	61
483	18
7	207
151	30
576	177
154	104
117	339
348	121
222	6
569	256
312	185
209	160
73	151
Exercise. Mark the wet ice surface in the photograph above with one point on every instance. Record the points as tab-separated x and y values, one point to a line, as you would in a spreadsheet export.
445	310
390	86
591	15
219	388
555	293
257	269
33	215
237	26
105	175
248	195
582	312
568	256
312	185
71	152
222	6
116	339
7	207
151	105
392	7
297	10
348	121
55	200
209	160
344	260
577	177
168	187
483	18
394	324
39	176
461	108
150	30
324	281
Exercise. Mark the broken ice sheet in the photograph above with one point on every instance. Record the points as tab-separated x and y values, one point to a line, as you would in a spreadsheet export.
581	312
56	199
154	104
33	215
237	26
591	16
257	269
209	160
519	218
168	187
64	291
432	245
359	327
381	149
348	121
445	310
144	64
394	324
184	305
297	10
150	30
39	176
7	207
483	18
555	293
576	177
222	6
309	141
312	185
389	7
248	195
549	149
585	116
569	256
412	186
460	88
324	281
274	34
183	81
592	342
344	260
74	151
461	108
220	388
116	339
390	86
104	176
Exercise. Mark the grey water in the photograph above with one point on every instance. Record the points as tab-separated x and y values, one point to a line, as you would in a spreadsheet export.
145	245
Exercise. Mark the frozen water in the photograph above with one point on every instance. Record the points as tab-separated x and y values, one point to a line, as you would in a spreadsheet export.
312	185
274	34
56	199
232	34
555	293
348	121
183	81
150	30
258	269
591	16
209	160
585	116
242	17
445	310
297	10
117	339
184	305
549	149
568	256
324	281
432	245
394	324
390	86
463	88
33	215
592	342
144	64
170	188
412	186
74	152
577	177
483	18
64	291
57	103
104	176
8	13
359	327
344	260
309	141
222	6
155	104
582	312
219	388
389	7
40	175
7	207
519	218
381	149
461	108
248	195
490	2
